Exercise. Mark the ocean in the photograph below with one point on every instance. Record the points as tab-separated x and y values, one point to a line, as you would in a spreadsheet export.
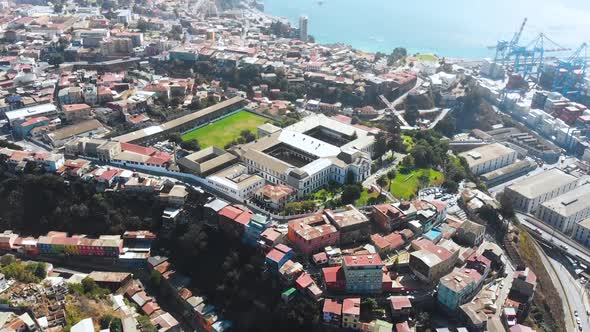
451	28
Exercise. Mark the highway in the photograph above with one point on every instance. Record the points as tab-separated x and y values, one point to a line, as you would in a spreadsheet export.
573	290
560	286
554	237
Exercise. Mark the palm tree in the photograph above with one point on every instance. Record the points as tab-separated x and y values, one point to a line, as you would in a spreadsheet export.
391	176
382	182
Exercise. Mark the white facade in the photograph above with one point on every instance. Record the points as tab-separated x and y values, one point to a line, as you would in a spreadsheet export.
529	193
489	158
564	211
236	182
582	232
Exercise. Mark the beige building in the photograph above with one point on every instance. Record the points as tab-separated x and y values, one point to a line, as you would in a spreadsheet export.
582	232
77	112
311	153
235	182
527	195
488	158
207	161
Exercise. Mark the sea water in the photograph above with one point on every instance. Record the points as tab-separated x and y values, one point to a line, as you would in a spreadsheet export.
452	28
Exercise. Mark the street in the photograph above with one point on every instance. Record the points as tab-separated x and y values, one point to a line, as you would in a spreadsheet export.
573	291
549	235
560	286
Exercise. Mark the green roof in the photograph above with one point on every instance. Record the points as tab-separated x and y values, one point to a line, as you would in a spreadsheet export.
289	291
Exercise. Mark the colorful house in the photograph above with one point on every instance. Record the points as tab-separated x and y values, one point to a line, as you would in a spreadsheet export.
332	312
351	313
278	256
257	225
312	234
234	218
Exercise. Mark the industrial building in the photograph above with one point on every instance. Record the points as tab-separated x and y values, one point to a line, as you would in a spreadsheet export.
564	211
488	158
582	232
528	194
311	153
507	173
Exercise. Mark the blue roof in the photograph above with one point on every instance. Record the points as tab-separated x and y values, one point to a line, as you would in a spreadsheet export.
433	234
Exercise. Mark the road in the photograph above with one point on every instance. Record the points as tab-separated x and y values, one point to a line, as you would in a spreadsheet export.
572	289
560	286
552	236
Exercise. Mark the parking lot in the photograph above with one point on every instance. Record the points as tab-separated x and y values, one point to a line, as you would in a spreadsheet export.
437	193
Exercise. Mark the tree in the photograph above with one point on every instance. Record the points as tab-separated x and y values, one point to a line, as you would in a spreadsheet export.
450	185
391	174
155	278
408	162
351	193
423	181
411	115
89	285
55	59
192	145
423	320
247	135
382	182
506	206
397	54
111	323
175	138
380	145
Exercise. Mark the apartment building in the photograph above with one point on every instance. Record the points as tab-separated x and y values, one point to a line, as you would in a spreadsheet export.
363	273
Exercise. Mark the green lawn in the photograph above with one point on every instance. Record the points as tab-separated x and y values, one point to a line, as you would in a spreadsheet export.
365	195
221	132
405	186
427	57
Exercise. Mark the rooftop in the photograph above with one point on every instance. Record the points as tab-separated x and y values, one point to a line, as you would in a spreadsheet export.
485	153
362	260
541	183
571	202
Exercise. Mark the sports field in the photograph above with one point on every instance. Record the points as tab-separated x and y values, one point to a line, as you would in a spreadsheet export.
221	132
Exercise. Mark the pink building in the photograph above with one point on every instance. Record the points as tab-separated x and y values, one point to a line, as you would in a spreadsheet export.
312	234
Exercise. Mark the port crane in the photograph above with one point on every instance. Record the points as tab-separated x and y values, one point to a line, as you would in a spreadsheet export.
570	73
525	60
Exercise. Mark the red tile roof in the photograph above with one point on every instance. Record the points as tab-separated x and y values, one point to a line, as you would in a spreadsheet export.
146	151
402	327
33	121
304	281
351	306
400	302
333	274
75	107
362	260
275	255
333	307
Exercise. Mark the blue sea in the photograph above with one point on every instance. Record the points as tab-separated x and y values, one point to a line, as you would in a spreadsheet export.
451	28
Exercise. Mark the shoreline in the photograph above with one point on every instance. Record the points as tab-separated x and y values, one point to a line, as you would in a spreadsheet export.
411	52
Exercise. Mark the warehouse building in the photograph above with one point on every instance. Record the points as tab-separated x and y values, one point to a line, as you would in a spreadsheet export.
582	232
528	194
564	211
488	158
